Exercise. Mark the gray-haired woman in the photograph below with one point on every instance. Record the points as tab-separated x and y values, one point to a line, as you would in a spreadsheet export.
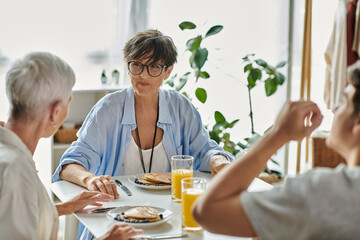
39	90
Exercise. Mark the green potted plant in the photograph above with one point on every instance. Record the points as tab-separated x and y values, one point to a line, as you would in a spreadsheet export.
258	72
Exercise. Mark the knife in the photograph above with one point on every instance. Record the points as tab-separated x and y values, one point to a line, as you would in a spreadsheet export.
123	187
155	237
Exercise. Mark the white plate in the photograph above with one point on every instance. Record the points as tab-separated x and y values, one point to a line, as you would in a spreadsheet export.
167	215
152	187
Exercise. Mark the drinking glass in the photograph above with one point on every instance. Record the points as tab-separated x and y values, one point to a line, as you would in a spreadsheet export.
191	189
181	167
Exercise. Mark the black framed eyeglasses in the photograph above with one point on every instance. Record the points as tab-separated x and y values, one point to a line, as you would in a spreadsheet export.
137	68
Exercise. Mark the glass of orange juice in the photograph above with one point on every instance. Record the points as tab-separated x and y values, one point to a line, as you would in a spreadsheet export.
191	189
181	167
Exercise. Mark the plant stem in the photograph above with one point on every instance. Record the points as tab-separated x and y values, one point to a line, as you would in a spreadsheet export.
251	111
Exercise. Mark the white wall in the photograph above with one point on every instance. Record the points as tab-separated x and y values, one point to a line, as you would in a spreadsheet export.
72	29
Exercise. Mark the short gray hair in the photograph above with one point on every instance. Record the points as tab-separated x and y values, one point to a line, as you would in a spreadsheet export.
37	81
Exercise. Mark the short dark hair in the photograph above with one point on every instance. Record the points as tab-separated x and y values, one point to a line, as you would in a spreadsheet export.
353	75
151	41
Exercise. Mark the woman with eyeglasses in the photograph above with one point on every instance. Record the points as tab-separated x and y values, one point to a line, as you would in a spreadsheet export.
138	129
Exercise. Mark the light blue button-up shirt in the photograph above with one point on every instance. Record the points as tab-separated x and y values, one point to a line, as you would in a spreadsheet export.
106	132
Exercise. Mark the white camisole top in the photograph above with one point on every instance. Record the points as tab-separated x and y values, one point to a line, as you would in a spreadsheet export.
132	164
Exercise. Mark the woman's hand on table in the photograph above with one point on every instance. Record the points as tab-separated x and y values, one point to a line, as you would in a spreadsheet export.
121	231
82	200
102	183
217	163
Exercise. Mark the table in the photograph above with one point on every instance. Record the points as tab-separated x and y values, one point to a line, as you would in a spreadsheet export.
98	224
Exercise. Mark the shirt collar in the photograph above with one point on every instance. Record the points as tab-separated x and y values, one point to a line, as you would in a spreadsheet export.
10	138
164	113
129	108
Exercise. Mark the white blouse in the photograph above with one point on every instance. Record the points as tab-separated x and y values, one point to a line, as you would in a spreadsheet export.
132	164
26	211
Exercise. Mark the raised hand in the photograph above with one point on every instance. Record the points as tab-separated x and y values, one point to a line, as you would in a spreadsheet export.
291	121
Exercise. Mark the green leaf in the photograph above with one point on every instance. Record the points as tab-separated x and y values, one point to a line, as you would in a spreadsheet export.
270	86
280	78
219	118
261	62
228	149
186	95
183	81
236	151
201	94
226	136
214	30
251	82
276	172
187	74
200	57
231	125
170	82
275	162
204	75
216	127
270	70
246	58
280	64
193	44
248	67
242	146
255	74
191	61
187	25
214	137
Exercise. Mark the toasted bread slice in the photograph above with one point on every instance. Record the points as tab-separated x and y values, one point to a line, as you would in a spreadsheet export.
158	178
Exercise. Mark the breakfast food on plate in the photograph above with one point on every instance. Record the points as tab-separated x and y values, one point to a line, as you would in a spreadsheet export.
140	215
154	179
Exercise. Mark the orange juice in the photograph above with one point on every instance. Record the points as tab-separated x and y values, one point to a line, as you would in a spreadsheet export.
176	176
188	198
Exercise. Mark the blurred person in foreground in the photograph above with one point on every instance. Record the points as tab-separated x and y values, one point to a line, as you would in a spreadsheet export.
320	204
39	90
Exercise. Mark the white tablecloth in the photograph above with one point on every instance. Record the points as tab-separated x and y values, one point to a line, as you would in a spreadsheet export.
98	224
